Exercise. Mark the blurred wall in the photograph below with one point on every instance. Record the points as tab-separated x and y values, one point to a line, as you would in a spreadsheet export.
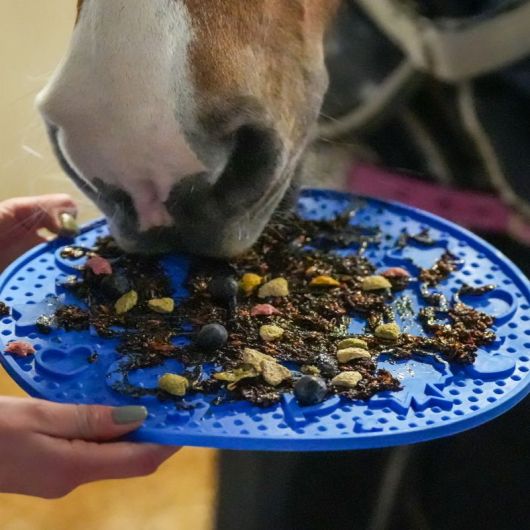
33	37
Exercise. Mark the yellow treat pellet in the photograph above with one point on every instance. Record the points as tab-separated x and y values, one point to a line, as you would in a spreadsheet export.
347	380
349	354
250	282
278	287
352	342
162	305
68	225
255	358
127	302
274	373
174	384
388	331
270	332
310	369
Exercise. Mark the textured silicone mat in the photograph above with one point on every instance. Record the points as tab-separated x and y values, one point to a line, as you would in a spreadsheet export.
437	399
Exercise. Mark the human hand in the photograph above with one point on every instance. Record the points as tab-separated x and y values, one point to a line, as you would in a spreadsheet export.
47	449
21	218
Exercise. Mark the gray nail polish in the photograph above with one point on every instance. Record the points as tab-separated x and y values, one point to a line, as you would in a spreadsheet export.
69	226
125	415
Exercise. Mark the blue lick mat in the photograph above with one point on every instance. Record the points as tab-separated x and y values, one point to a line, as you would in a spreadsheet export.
437	399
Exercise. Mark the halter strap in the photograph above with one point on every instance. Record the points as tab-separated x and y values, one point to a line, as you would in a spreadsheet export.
478	211
454	50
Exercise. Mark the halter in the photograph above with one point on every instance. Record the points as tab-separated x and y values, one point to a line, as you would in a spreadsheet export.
434	47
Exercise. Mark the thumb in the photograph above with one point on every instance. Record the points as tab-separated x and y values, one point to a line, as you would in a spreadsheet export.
33	213
87	422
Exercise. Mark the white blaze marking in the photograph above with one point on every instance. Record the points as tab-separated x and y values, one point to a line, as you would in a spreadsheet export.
123	96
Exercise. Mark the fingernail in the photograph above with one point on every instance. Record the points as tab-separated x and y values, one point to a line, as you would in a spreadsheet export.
125	415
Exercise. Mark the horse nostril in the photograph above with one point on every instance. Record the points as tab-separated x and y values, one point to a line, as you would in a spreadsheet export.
252	146
251	165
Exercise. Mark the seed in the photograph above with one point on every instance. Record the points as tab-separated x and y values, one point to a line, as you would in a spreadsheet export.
99	266
93	358
234	376
174	384
271	332
352	342
349	354
310	390
162	305
347	380
324	281
375	283
68	225
250	282
265	310
162	347
5	310
278	287
389	331
398	277
274	373
311	271
395	272
211	337
127	302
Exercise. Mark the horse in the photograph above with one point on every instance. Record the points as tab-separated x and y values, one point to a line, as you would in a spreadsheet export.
187	121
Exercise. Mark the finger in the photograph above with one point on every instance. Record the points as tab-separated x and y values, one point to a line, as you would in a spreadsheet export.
41	211
86	422
17	247
64	465
89	462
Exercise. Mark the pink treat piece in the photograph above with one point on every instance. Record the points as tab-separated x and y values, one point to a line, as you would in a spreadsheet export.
20	348
264	310
396	272
99	266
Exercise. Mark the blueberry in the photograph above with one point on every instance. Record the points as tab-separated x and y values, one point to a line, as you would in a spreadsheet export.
211	337
310	390
115	285
223	289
